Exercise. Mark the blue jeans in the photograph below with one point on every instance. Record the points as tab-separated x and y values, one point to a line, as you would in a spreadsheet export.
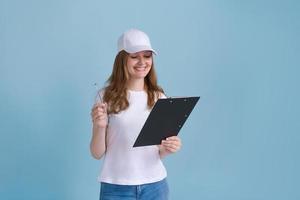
151	191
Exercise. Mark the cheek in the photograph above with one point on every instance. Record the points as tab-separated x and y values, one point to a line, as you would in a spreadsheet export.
130	64
149	62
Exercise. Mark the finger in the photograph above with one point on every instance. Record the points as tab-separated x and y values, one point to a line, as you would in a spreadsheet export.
95	118
98	118
170	145
98	109
95	113
101	110
172	138
165	142
171	149
172	142
100	114
174	145
105	107
102	117
101	105
95	107
177	141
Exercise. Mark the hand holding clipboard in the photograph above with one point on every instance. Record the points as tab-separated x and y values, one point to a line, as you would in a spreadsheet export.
166	119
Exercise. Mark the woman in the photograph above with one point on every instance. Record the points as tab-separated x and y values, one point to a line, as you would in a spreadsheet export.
132	90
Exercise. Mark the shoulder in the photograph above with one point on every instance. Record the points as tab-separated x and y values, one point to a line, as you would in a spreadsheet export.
161	95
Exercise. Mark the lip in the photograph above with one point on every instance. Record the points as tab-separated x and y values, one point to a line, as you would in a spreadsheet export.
140	68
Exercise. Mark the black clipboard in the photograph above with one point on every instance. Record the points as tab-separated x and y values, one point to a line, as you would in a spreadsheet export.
166	119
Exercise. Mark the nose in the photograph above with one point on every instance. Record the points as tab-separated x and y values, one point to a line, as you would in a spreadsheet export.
141	60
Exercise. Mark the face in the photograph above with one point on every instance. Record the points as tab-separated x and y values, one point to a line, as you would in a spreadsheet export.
139	64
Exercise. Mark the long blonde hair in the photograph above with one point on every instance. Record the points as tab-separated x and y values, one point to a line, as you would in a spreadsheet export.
115	93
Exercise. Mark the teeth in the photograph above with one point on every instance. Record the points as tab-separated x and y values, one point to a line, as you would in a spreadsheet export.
140	68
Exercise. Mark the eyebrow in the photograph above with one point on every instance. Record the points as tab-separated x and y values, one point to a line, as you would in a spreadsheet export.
148	52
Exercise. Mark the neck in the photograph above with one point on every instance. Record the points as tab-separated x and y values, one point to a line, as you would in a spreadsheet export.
137	84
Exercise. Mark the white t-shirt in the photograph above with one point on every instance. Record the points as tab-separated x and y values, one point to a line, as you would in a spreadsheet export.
124	164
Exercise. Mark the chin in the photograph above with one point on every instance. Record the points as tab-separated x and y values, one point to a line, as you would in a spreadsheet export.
140	76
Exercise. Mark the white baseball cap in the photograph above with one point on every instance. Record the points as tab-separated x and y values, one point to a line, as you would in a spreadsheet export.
134	40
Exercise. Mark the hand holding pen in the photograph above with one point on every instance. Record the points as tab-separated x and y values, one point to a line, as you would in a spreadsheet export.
99	111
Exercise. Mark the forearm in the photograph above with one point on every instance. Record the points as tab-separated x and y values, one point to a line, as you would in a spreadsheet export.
98	144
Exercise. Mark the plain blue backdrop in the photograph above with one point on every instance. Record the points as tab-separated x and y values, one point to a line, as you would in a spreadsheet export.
242	57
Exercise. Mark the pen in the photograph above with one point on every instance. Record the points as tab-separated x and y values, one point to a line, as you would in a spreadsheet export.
98	93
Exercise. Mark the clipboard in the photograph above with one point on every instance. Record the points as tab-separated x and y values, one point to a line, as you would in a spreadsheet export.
166	119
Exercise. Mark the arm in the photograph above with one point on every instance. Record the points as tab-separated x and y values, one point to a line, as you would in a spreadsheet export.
100	121
97	145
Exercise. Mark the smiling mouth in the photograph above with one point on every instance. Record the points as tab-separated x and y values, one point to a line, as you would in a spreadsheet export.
140	68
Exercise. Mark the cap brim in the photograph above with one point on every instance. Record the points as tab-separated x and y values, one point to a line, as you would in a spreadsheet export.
140	48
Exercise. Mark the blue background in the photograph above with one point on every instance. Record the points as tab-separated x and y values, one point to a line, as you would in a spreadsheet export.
242	57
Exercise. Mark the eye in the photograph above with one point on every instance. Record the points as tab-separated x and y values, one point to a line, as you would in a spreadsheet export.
148	55
133	57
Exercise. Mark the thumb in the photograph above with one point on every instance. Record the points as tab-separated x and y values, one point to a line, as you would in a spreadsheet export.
105	107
